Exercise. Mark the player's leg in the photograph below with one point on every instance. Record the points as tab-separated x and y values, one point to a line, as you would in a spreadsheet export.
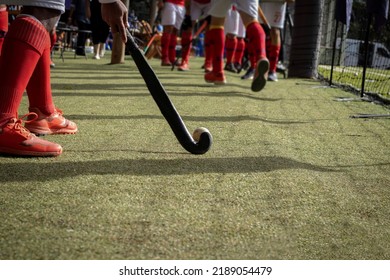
167	21
256	41
275	13
240	49
23	47
186	43
231	31
217	41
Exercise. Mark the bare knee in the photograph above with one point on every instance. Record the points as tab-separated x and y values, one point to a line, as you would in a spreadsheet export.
48	17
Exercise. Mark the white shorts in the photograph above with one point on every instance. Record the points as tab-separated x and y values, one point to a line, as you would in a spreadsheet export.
219	8
234	24
231	22
241	29
199	11
58	5
172	14
275	13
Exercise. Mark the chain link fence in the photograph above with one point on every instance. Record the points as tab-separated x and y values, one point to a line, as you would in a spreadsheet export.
356	58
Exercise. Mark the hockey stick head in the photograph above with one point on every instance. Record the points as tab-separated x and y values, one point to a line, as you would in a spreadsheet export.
203	141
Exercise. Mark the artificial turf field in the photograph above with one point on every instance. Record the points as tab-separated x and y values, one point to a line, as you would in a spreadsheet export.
290	174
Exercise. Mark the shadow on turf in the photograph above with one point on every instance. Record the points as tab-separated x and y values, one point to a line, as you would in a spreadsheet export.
229	119
138	89
44	171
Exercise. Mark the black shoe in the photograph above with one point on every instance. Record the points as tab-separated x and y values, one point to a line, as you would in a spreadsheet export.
230	67
261	75
80	51
249	74
238	67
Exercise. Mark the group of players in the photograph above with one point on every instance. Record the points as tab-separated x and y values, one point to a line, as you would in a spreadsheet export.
25	48
234	28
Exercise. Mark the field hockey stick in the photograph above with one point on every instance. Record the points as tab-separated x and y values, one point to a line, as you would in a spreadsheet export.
200	29
150	42
201	140
264	19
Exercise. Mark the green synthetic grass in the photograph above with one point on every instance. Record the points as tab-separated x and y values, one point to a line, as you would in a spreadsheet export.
290	174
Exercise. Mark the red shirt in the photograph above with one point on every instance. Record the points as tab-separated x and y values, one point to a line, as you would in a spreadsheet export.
176	2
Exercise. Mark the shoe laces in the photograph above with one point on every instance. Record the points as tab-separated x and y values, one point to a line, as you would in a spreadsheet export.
59	111
17	125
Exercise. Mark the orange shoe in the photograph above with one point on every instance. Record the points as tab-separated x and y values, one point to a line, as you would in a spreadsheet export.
208	67
53	124
17	140
261	75
216	78
183	66
166	62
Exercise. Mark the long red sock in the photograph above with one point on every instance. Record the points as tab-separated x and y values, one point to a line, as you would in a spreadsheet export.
240	49
3	27
186	38
165	39
172	48
22	49
256	40
208	50
230	46
53	40
39	88
218	44
273	57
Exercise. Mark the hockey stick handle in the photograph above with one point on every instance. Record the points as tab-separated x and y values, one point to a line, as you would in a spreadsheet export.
150	42
168	110
263	17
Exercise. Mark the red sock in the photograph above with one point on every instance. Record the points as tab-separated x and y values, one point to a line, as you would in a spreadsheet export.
23	47
3	26
172	48
165	39
230	46
208	50
53	40
273	57
39	88
218	44
240	49
268	45
256	39
186	38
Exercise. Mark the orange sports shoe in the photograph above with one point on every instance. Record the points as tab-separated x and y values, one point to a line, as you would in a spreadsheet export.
216	78
166	62
183	66
208	66
53	124
17	140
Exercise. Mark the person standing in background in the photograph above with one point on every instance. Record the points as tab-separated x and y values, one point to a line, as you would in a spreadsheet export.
172	16
234	44
275	12
196	10
248	10
100	29
25	65
82	22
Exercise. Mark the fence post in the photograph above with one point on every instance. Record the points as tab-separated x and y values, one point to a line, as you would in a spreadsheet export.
333	53
369	19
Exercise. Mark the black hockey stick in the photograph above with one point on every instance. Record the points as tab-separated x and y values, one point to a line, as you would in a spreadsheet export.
201	140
